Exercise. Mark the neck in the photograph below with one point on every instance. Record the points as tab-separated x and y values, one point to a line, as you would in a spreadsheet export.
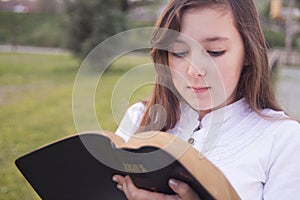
202	113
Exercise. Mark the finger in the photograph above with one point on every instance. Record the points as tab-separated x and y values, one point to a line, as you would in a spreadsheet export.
120	187
184	191
130	190
133	193
119	180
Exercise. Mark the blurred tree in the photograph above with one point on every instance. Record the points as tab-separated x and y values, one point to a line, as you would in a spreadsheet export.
289	28
91	22
125	5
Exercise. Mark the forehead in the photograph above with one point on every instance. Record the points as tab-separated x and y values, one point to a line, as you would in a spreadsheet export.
208	24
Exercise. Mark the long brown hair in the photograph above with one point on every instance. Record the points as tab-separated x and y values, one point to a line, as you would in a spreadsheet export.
255	82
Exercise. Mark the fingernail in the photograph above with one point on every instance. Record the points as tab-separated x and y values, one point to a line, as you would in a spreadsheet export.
120	187
114	179
173	182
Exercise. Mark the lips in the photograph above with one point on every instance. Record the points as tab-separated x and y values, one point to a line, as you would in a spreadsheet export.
199	89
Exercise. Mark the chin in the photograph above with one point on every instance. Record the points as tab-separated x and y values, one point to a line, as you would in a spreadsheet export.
201	106
206	105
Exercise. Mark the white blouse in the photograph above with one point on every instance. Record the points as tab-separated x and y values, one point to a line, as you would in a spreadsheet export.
260	157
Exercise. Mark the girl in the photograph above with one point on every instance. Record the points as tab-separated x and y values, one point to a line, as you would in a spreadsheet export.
225	108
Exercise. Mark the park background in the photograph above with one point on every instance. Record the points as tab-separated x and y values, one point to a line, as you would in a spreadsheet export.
43	43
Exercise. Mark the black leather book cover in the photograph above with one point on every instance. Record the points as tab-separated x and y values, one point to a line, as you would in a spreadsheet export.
81	167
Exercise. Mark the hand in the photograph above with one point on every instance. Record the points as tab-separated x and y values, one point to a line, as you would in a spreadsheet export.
183	191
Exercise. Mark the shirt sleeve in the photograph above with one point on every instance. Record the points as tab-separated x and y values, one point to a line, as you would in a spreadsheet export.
131	121
283	175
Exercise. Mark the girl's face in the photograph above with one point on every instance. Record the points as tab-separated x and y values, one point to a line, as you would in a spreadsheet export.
206	59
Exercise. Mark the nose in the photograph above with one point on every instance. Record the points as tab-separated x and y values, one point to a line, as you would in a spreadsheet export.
197	67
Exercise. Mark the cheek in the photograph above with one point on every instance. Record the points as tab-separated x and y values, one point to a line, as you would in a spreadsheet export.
178	69
177	63
178	78
230	77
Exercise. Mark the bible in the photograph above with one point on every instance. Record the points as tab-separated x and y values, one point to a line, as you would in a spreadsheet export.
81	166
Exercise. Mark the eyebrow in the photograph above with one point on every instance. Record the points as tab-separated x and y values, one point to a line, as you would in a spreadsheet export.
206	40
214	39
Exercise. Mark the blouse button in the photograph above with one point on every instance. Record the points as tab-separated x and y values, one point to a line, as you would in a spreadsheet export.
191	141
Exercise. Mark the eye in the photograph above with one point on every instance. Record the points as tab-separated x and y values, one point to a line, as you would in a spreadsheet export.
215	53
180	54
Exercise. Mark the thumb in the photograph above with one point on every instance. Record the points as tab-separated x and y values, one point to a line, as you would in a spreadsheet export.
184	191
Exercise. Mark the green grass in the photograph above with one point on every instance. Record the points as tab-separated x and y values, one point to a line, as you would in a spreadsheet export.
36	108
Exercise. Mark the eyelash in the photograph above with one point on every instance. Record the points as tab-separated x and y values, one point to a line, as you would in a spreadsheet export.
211	53
180	54
215	53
